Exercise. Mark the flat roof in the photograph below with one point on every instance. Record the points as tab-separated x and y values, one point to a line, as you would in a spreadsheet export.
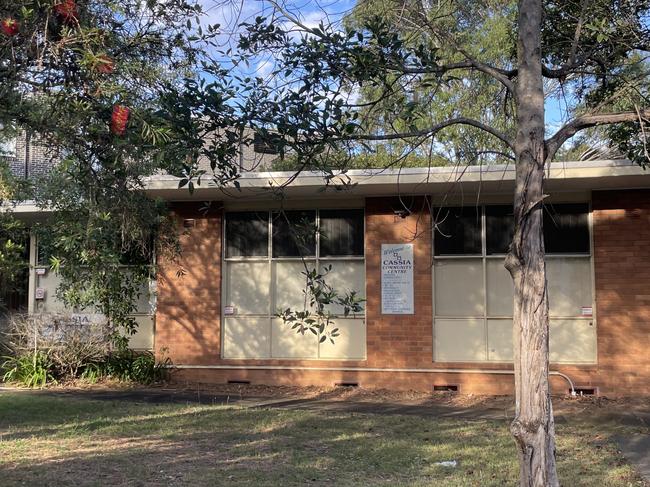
496	179
561	177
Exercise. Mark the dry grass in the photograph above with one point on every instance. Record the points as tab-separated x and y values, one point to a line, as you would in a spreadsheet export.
56	441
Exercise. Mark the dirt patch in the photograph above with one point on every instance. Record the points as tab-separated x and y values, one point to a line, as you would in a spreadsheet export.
561	404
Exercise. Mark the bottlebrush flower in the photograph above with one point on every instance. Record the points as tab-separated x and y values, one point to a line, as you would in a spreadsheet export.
104	64
67	10
119	119
9	26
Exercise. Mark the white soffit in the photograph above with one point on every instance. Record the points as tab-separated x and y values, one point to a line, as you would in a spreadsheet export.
561	176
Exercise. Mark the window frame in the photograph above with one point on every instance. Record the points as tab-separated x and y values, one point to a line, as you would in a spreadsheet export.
271	261
279	214
224	246
484	257
270	255
481	232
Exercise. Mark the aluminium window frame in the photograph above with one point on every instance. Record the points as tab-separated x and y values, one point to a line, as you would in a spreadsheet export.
271	260
484	257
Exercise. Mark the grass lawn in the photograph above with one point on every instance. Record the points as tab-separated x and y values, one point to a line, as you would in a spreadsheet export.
65	441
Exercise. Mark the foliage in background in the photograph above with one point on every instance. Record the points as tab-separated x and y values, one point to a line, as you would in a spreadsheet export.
64	75
415	100
14	259
381	157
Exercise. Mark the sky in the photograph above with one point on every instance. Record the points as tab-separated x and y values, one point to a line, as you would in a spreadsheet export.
230	13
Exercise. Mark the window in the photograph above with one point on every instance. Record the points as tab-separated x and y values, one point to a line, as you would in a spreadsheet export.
499	228
8	147
294	234
264	272
473	292
247	234
566	229
7	141
341	232
458	231
266	143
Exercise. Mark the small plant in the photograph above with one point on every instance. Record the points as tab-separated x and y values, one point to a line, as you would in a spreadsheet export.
316	316
91	373
31	370
128	365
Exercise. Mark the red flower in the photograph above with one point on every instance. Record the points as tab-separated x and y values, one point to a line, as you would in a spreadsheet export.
119	118
9	26
67	10
104	64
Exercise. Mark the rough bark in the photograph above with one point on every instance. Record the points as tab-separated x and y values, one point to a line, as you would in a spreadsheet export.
533	426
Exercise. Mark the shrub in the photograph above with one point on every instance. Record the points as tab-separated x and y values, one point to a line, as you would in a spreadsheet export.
32	370
66	342
44	348
133	366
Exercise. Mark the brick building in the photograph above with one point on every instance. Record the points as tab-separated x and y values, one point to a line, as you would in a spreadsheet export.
429	262
26	157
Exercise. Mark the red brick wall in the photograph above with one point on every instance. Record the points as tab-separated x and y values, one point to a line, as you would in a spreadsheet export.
399	340
189	291
621	222
187	320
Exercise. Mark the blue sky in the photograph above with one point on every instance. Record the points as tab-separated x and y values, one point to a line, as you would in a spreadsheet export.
230	14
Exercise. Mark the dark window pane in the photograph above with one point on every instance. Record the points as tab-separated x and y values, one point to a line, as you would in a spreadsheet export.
294	233
136	256
341	232
458	231
247	234
43	253
499	228
566	228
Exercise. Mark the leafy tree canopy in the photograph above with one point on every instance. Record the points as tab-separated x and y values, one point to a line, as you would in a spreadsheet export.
106	87
397	72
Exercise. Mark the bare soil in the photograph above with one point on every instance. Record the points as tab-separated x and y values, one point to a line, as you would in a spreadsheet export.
562	404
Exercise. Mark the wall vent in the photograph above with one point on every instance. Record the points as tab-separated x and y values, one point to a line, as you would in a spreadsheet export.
585	391
446	388
238	381
346	384
189	223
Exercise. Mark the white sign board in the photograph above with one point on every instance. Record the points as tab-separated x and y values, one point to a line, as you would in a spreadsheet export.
397	279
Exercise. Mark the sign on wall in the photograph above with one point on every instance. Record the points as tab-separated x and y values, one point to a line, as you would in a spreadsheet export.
397	279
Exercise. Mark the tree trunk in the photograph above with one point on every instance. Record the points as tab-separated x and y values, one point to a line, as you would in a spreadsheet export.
533	427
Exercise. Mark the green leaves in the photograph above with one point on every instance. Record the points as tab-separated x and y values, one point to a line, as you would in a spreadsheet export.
317	317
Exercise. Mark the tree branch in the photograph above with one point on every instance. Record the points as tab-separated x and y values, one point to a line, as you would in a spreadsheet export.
434	129
502	75
586	121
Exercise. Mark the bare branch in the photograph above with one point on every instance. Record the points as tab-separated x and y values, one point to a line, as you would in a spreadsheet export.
578	32
434	129
587	121
502	76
